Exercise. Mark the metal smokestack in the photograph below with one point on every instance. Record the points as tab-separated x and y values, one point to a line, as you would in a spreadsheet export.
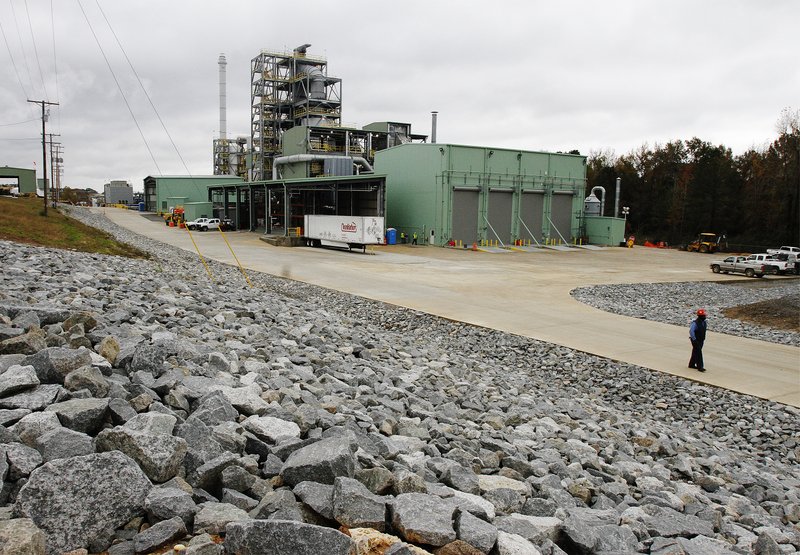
433	127
222	98
616	199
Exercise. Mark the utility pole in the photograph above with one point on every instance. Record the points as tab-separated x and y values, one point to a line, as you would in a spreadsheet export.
53	168
59	171
44	146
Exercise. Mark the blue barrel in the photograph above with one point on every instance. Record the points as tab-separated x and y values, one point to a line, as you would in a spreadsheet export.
391	236
141	207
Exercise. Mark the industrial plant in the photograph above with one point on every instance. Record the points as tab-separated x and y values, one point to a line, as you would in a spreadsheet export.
300	160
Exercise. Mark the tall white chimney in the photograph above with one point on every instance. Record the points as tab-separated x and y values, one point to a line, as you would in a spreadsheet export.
222	98
433	126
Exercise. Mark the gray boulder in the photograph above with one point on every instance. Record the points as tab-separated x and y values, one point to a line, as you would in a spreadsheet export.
16	379
214	409
99	492
317	496
460	478
54	363
667	523
270	429
478	533
321	462
159	534
87	377
163	503
20	536
212	518
535	529
511	544
22	460
204	545
30	427
422	518
354	506
159	455
283	537
25	344
34	399
81	415
63	443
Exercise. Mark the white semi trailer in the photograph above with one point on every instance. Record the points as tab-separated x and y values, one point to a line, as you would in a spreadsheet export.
344	231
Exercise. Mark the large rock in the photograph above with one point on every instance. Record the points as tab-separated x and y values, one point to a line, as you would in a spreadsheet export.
422	518
34	399
159	534
54	363
284	537
87	377
354	506
16	379
214	409
317	496
20	536
478	533
214	517
271	429
81	415
320	462
159	455
33	425
246	400
25	344
63	443
511	544
79	502
163	503
535	529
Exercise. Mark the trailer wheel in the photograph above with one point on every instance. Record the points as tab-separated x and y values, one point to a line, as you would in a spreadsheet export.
749	272
715	268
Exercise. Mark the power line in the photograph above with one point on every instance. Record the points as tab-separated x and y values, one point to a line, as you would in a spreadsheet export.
13	62
143	89
119	87
36	50
21	45
55	59
18	123
18	139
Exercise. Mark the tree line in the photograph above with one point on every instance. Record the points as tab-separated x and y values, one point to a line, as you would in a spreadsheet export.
682	188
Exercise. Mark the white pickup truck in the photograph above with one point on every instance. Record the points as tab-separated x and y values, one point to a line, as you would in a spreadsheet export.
740	265
195	224
791	251
781	266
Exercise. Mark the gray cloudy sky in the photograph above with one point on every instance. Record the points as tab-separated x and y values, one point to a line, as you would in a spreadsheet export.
532	75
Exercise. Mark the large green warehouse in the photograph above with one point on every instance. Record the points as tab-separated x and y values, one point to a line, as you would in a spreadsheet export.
470	194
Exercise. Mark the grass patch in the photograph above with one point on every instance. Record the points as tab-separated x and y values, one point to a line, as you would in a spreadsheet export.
22	221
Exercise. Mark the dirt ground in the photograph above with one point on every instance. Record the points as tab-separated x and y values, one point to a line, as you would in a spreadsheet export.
782	313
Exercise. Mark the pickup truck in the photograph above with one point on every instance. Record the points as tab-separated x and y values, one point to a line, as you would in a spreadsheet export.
195	224
211	223
740	265
792	251
781	266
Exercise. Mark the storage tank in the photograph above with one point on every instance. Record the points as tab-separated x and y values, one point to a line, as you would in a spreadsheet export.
593	206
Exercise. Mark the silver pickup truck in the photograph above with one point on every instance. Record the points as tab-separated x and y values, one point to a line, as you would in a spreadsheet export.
740	265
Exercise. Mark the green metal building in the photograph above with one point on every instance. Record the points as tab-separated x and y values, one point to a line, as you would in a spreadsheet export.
26	179
470	194
162	193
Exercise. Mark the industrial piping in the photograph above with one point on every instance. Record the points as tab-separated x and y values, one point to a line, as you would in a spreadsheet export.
616	199
602	200
281	160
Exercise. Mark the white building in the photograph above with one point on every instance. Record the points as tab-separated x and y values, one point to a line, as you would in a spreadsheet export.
118	192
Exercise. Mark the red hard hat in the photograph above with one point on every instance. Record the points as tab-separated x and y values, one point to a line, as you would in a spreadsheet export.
701	312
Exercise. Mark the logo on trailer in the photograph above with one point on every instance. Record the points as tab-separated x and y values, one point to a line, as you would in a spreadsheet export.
349	228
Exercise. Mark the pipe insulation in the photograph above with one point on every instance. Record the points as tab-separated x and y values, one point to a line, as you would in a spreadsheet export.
283	160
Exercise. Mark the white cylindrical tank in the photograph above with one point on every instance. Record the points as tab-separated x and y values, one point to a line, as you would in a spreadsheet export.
593	206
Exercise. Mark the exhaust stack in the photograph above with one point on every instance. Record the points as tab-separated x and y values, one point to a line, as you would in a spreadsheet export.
222	98
433	126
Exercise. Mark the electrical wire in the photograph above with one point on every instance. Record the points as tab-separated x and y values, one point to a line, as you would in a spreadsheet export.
18	123
55	61
144	90
36	51
21	44
13	62
119	87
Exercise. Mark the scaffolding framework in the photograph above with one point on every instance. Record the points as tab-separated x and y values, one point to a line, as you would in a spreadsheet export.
287	90
230	157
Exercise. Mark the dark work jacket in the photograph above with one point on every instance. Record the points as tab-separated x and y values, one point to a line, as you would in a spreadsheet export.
697	331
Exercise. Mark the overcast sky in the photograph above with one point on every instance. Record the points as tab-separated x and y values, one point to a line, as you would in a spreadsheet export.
529	74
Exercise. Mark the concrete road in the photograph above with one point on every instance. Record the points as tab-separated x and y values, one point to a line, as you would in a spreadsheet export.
525	293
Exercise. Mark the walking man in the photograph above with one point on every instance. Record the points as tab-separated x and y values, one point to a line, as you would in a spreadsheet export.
697	335
414	238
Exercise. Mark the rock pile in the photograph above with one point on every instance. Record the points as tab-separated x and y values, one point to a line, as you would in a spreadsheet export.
141	405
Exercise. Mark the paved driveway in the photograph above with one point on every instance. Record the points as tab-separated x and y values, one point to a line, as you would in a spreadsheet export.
522	293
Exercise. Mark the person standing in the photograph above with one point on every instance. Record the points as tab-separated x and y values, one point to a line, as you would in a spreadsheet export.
697	335
414	238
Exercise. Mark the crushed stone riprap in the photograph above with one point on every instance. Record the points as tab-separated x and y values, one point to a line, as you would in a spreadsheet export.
279	417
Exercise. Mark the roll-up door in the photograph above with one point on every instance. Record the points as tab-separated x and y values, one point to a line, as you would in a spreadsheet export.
561	216
500	203
531	212
465	215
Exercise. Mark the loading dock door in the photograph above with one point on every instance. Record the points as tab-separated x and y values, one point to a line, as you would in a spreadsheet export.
531	212
465	215
561	216
500	203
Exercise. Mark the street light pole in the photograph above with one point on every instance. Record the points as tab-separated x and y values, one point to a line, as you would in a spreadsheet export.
44	147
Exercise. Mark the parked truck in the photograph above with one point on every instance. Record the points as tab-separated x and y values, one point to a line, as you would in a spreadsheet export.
740	265
343	231
780	266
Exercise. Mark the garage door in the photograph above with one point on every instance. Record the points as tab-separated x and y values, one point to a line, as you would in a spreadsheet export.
465	215
500	214
561	216
531	212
